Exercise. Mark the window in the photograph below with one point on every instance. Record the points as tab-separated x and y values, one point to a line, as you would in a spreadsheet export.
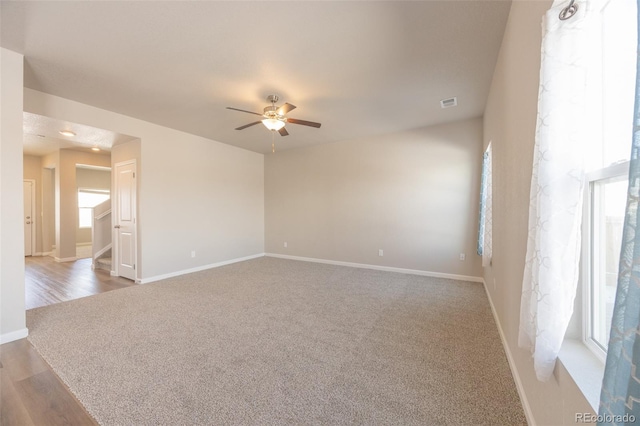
87	200
605	209
486	217
607	177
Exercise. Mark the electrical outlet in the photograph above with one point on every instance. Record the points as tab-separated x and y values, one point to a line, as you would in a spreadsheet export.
380	253
193	253
463	256
285	244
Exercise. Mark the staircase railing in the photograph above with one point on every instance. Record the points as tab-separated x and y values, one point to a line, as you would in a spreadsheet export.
101	230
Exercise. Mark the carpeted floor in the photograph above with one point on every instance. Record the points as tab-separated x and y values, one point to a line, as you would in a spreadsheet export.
272	341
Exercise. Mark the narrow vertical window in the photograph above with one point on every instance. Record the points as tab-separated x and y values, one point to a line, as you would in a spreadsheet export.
485	221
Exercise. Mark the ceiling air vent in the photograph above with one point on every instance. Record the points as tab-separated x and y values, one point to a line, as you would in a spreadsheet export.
448	103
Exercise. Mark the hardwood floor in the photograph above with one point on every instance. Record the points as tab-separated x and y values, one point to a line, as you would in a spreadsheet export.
30	392
48	281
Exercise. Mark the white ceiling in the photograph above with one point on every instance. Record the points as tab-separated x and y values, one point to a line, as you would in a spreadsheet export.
360	68
42	136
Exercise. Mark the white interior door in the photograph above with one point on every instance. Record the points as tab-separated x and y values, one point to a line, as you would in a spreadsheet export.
28	218
125	219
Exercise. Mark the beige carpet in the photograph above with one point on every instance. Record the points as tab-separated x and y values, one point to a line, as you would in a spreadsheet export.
272	341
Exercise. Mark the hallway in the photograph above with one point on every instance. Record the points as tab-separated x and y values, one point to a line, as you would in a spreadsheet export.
48	282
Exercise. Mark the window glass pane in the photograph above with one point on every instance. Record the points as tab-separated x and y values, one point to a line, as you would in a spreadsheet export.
619	71
609	202
87	200
91	198
84	216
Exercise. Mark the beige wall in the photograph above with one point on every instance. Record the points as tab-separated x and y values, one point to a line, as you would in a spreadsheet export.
199	195
93	179
509	122
67	197
413	194
195	194
50	164
32	170
12	313
48	210
40	170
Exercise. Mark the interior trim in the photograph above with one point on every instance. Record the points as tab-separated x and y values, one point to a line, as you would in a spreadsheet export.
196	269
14	335
65	259
380	268
512	364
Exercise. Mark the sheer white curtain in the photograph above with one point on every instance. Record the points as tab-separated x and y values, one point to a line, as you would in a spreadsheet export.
557	184
487	243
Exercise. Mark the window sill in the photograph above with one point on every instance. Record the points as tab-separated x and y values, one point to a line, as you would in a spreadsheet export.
585	369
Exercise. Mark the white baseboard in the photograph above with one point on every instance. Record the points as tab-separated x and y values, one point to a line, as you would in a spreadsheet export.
83	244
512	364
197	269
380	268
14	335
65	259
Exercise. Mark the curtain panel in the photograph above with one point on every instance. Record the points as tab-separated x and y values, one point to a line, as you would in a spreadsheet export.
483	203
486	216
557	187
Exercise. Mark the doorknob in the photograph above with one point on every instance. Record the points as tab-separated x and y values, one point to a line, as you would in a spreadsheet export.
28	223
28	217
117	226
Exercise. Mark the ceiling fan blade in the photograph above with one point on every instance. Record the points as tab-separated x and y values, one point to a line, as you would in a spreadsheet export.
286	108
248	125
283	132
303	122
242	110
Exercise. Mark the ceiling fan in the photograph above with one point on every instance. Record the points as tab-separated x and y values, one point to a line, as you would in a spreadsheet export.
274	117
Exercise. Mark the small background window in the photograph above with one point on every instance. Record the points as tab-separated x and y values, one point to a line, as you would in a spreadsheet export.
87	200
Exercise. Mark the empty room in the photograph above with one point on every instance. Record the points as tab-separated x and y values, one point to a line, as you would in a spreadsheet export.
319	212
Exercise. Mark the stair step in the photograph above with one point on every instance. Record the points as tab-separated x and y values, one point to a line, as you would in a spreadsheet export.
103	263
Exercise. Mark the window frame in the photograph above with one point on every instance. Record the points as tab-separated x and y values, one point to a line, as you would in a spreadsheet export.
616	170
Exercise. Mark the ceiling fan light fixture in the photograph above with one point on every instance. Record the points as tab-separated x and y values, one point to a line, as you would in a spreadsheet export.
273	123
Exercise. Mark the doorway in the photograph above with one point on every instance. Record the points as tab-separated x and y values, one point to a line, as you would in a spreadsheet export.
125	238
69	173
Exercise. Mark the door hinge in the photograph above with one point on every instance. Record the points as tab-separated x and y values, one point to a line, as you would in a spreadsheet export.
134	175
134	266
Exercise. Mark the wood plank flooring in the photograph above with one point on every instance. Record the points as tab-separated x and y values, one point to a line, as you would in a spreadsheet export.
30	392
48	281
